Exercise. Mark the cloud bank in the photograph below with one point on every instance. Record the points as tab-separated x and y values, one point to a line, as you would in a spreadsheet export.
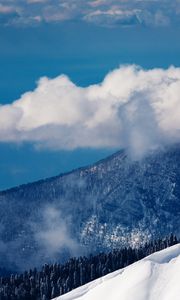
101	12
131	108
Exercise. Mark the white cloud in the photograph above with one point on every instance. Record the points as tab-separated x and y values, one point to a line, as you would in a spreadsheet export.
56	14
7	9
132	107
113	17
154	19
151	12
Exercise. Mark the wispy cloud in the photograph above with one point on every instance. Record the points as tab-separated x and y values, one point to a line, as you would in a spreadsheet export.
37	1
134	108
44	237
7	9
52	234
113	17
100	12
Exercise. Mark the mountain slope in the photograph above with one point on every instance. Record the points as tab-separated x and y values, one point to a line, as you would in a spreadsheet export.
114	202
154	278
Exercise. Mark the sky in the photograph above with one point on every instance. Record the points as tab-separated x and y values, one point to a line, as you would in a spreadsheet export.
61	65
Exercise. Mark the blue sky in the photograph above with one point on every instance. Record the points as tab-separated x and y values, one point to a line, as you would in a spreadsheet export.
85	42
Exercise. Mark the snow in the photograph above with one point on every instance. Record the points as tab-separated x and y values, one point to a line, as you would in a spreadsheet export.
155	277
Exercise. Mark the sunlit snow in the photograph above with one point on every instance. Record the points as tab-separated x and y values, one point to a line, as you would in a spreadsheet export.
156	277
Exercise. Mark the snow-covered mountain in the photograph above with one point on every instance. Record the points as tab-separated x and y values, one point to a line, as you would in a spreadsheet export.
154	278
117	201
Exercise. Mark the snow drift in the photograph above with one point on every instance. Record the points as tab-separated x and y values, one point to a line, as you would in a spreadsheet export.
154	278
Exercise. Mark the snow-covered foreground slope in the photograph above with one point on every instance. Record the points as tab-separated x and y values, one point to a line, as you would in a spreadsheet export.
154	278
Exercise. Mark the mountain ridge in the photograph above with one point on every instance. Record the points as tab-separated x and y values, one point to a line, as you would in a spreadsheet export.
59	175
115	202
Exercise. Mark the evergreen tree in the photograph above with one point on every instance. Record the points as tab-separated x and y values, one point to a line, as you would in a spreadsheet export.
54	280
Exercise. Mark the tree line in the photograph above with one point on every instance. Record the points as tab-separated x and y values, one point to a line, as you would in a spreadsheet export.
55	279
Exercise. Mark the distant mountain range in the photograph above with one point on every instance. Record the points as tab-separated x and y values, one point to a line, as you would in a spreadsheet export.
115	202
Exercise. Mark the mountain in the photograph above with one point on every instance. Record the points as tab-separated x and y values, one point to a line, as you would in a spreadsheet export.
154	278
115	202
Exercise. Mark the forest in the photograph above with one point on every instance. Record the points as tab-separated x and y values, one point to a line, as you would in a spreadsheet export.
53	280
